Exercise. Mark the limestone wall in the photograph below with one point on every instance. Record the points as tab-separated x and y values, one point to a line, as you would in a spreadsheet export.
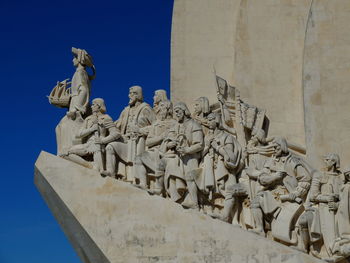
290	57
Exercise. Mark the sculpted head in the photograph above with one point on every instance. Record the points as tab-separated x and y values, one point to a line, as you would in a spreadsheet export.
201	106
159	95
181	112
347	174
259	135
135	95
81	57
98	105
332	162
165	110
281	146
213	121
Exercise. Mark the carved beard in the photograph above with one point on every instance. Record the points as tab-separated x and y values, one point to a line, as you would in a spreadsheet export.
132	101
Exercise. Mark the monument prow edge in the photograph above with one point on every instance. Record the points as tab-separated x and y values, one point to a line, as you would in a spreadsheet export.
110	221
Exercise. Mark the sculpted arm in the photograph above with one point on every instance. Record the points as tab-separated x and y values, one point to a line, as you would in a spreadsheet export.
315	195
304	180
302	188
85	131
156	140
147	118
152	139
112	130
197	144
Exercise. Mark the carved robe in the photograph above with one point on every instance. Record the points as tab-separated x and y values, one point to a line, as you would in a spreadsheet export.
324	185
141	116
343	213
297	182
216	168
80	91
188	134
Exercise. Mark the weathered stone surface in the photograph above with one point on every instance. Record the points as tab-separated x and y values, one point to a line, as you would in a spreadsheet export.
111	221
296	51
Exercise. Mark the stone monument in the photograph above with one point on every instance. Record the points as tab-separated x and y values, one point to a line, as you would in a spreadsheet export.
230	182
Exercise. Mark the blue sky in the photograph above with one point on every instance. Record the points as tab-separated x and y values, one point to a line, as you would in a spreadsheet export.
130	44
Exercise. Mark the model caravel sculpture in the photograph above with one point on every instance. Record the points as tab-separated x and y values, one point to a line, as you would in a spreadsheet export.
60	94
218	160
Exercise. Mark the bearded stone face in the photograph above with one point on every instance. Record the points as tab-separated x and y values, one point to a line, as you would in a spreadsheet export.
133	96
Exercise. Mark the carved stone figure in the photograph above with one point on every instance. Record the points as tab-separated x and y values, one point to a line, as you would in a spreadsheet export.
284	177
320	219
222	163
99	130
159	95
201	110
219	160
75	98
341	245
133	118
183	147
81	86
149	160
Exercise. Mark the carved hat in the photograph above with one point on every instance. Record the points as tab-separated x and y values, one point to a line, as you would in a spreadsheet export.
83	57
183	106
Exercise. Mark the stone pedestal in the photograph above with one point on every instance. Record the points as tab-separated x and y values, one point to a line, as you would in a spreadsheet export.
109	221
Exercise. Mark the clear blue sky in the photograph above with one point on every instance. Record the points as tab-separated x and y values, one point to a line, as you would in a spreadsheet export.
130	44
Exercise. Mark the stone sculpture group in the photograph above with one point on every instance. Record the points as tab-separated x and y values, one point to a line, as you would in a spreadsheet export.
218	160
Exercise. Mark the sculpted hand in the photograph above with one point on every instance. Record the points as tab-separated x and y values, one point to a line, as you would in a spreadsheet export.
94	127
171	144
214	145
284	198
265	179
332	206
226	158
182	150
134	128
330	199
98	141
281	174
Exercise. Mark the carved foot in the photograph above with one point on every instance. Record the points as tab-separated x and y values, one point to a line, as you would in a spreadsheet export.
190	205
154	191
140	186
106	173
258	232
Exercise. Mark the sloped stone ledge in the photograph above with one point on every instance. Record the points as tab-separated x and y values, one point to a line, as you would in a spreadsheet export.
109	221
